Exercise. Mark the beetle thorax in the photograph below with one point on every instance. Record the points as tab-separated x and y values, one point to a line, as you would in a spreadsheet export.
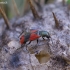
44	34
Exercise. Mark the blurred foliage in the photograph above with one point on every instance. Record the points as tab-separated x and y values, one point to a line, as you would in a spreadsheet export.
68	1
9	7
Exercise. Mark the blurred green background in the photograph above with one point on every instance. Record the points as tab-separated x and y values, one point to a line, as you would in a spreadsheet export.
10	10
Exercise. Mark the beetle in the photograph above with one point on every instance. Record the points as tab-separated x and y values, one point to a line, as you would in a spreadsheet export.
33	35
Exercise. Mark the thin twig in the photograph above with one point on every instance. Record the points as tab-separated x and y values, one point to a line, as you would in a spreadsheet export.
56	21
35	14
15	7
5	18
25	7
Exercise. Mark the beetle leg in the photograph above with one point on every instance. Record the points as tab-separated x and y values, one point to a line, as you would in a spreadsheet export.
29	42
37	41
43	38
47	37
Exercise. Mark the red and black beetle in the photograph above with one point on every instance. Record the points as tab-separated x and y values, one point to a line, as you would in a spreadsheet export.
33	35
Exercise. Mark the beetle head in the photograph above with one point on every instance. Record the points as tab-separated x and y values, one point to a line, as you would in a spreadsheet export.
48	35
44	34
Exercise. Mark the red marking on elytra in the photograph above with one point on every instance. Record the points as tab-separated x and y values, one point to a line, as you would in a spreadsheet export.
32	31
22	39
33	37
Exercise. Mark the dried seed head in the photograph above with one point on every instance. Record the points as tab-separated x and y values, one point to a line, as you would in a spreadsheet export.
5	18
15	7
56	21
35	14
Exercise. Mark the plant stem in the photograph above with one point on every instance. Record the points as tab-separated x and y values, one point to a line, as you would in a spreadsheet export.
56	21
35	14
5	18
15	7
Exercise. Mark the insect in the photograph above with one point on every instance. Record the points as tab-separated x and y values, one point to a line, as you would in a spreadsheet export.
33	35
